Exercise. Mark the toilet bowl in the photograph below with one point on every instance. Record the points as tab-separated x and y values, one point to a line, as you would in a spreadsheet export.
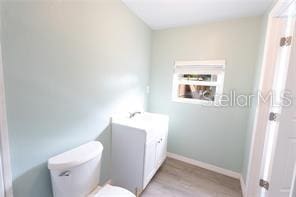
76	173
111	191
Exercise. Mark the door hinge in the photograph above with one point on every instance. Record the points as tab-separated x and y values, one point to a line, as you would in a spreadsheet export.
273	116
286	41
264	184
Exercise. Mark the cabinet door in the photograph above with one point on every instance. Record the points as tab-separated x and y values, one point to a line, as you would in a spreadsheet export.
150	161
161	149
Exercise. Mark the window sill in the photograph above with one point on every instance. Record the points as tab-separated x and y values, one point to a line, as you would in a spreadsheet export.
194	101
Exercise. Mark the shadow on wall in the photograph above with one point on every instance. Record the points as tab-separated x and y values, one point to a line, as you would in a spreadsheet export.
37	181
34	182
105	139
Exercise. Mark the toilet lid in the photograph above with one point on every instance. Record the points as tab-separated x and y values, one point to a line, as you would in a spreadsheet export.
113	191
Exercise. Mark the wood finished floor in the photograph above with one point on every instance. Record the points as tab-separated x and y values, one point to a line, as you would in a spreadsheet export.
179	179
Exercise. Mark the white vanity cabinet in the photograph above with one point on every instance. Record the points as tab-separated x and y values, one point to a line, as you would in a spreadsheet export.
139	147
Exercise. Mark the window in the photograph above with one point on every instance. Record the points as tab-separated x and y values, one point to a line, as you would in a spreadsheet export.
198	81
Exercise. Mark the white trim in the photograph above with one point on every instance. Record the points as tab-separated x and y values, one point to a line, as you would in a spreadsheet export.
254	153
214	67
4	140
293	188
193	101
243	185
200	67
258	132
204	165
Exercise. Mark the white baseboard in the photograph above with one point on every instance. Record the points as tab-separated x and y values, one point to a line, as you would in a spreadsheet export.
207	166
243	185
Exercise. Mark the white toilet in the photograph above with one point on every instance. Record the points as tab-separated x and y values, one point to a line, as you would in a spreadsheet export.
76	173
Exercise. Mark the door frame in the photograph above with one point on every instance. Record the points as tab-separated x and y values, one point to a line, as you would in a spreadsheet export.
263	108
294	184
5	162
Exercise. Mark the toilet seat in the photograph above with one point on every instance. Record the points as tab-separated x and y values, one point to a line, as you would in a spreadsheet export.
111	191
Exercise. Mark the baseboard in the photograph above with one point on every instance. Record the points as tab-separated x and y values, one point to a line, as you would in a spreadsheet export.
243	186
207	166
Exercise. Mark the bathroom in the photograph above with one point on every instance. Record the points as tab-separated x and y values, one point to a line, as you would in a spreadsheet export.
70	67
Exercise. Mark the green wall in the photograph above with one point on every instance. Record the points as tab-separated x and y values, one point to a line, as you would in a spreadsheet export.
68	66
208	134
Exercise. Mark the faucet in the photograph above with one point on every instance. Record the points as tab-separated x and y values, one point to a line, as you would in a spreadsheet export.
132	114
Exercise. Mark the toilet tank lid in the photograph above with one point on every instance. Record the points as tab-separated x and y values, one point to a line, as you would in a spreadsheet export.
76	156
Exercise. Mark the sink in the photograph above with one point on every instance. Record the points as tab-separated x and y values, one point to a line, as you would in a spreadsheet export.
151	123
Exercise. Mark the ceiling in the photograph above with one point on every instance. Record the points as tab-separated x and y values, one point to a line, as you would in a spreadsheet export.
160	14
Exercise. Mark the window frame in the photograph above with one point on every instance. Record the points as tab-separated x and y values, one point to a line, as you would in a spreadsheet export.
216	67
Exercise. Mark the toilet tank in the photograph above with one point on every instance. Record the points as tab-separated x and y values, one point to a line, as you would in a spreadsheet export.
76	172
